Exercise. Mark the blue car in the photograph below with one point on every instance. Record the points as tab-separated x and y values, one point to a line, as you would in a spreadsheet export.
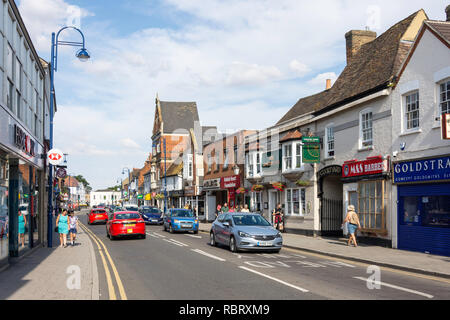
151	215
177	220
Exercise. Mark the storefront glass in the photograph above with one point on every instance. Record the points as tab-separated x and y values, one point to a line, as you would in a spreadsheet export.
428	211
4	218
371	205
25	175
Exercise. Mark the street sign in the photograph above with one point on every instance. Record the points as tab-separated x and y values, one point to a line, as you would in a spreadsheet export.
311	149
61	173
55	157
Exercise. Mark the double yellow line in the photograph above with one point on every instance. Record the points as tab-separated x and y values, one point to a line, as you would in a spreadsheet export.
103	251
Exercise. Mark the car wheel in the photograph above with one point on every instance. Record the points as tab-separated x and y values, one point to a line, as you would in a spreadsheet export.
233	246
107	233
195	231
171	229
212	239
144	236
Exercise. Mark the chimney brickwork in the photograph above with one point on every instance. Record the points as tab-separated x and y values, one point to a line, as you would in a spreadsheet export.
355	39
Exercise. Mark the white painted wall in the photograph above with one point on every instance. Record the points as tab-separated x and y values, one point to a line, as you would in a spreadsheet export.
98	197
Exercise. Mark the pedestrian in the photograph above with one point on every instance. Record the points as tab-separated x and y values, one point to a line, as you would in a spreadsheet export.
225	208
62	223
278	213
245	209
22	223
73	227
353	224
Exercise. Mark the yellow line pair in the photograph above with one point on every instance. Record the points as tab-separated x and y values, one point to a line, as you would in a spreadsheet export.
102	249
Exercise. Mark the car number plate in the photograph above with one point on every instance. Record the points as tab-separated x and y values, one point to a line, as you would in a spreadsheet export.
186	225
98	216
130	225
129	230
264	244
154	220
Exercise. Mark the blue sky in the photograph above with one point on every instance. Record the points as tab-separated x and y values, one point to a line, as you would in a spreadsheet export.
245	63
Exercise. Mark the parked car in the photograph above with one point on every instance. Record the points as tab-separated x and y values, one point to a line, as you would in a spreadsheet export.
151	215
131	207
125	224
180	220
97	216
245	231
118	209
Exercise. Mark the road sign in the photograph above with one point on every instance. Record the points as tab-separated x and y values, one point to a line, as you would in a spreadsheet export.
55	157
61	173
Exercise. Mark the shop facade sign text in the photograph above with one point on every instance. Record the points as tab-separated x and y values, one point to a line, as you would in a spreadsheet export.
372	165
232	182
24	141
434	169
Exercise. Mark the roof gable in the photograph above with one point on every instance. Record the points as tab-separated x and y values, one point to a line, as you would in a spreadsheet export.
178	116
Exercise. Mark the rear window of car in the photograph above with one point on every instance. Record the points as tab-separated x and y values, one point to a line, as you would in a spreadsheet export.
122	216
99	211
131	208
249	220
182	213
151	210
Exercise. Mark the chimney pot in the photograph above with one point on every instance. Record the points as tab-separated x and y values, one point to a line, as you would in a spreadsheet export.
447	11
355	39
328	86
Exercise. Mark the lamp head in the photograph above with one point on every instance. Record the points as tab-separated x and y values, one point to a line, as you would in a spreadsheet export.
83	55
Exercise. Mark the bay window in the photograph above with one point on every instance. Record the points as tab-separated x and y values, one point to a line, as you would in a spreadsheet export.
292	156
253	163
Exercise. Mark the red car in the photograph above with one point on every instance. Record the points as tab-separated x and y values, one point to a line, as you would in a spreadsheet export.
97	215
125	223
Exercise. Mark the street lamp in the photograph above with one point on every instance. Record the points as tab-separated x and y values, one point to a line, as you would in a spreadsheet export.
83	55
129	182
236	169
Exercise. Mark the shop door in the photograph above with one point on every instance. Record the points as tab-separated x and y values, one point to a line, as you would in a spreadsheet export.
273	200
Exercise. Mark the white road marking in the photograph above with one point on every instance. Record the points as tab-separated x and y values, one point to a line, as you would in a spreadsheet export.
397	287
193	236
207	254
178	242
159	235
152	235
337	264
275	279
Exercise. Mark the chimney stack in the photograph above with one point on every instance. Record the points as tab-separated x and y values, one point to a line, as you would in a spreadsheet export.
354	39
447	11
328	86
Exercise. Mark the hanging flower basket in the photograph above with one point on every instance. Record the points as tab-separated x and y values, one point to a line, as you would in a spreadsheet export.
241	190
279	186
257	187
159	196
303	183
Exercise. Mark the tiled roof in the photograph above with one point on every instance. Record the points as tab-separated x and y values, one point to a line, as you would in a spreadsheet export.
370	69
441	27
292	135
174	169
178	115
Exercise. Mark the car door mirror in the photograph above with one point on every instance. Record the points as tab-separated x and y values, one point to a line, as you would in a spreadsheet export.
226	223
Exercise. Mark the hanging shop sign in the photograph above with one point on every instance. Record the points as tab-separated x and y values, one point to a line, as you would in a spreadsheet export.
211	184
434	169
140	196
55	157
372	165
61	173
24	141
232	182
445	126
311	149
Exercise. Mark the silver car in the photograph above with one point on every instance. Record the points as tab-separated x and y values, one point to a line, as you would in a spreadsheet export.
245	231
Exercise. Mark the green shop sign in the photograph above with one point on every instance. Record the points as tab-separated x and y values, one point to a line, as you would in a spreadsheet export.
140	196
311	149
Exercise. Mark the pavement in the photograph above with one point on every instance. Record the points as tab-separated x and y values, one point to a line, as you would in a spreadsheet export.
53	273
417	262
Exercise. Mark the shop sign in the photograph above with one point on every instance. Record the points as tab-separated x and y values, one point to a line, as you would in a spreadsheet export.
311	149
24	141
211	184
422	170
55	157
231	182
333	170
140	196
189	191
372	165
61	173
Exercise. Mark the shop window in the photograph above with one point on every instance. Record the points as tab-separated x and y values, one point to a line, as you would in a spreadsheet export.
295	202
4	214
371	205
428	211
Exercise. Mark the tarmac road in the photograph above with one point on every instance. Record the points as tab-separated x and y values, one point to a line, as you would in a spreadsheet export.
168	266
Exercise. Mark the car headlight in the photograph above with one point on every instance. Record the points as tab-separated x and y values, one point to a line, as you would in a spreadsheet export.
278	235
244	234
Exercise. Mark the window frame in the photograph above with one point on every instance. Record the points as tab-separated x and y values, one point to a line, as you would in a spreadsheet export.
362	142
362	212
439	104
406	121
327	141
293	157
289	202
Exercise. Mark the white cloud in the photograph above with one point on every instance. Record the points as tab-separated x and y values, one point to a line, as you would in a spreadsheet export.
301	69
129	143
251	74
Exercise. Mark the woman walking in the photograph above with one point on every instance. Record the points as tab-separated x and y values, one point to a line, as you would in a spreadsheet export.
22	223
73	224
62	223
353	224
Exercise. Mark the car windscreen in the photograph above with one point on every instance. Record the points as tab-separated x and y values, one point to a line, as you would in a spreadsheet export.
131	209
249	220
182	213
151	210
122	216
98	211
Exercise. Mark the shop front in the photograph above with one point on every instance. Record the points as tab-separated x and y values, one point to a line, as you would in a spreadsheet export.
195	201
21	189
231	184
423	204
366	185
175	198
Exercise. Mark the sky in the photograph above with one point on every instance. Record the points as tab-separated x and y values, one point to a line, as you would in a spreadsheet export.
245	63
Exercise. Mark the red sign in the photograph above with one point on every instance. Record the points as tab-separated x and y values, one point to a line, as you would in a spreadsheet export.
231	182
372	165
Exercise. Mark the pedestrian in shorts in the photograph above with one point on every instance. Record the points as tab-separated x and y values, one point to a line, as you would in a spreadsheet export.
73	227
